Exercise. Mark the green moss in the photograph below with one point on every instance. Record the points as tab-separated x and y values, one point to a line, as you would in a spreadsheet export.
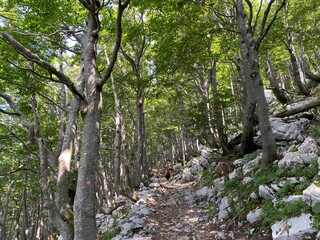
317	184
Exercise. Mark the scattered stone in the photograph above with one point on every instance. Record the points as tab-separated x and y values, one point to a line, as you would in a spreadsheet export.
224	208
204	193
254	216
248	167
293	198
220	235
266	192
154	185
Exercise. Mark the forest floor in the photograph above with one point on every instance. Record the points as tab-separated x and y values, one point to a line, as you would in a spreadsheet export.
177	217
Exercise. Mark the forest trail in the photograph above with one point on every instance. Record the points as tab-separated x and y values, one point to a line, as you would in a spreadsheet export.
178	216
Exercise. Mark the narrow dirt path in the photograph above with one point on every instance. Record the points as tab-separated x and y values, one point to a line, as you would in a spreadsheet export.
178	216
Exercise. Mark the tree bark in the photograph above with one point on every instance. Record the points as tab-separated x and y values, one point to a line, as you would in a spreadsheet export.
4	212
247	143
218	114
312	76
306	107
252	45
280	94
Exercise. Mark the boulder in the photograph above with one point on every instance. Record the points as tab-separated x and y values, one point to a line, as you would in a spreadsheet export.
305	154
312	194
295	228
288	131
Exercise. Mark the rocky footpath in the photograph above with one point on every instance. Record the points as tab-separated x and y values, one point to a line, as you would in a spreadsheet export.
242	199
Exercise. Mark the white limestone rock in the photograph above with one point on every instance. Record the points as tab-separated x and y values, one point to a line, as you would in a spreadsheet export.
204	193
295	228
224	208
288	131
266	192
293	198
254	216
312	194
154	185
196	168
248	167
305	154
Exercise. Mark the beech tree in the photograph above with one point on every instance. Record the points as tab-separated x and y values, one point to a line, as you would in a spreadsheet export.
90	100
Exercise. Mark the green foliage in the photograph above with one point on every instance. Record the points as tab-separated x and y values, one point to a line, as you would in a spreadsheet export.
238	193
114	231
209	175
315	132
281	211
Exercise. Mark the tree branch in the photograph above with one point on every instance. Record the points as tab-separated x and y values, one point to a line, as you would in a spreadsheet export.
121	8
250	15
34	58
9	113
263	32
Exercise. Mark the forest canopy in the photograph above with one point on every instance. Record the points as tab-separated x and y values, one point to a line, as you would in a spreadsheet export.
96	94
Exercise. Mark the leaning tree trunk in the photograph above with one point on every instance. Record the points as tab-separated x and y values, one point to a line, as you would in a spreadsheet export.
280	94
312	76
297	71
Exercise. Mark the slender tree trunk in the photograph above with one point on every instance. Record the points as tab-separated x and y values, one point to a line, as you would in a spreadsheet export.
297	72
274	83
141	133
312	76
118	145
218	115
63	202
4	212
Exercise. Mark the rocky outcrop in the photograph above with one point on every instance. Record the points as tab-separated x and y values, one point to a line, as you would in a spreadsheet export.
303	155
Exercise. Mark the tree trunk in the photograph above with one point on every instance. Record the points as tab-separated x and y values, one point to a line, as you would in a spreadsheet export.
297	72
274	83
218	115
312	76
268	141
85	199
247	143
118	145
306	107
141	163
4	213
63	201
